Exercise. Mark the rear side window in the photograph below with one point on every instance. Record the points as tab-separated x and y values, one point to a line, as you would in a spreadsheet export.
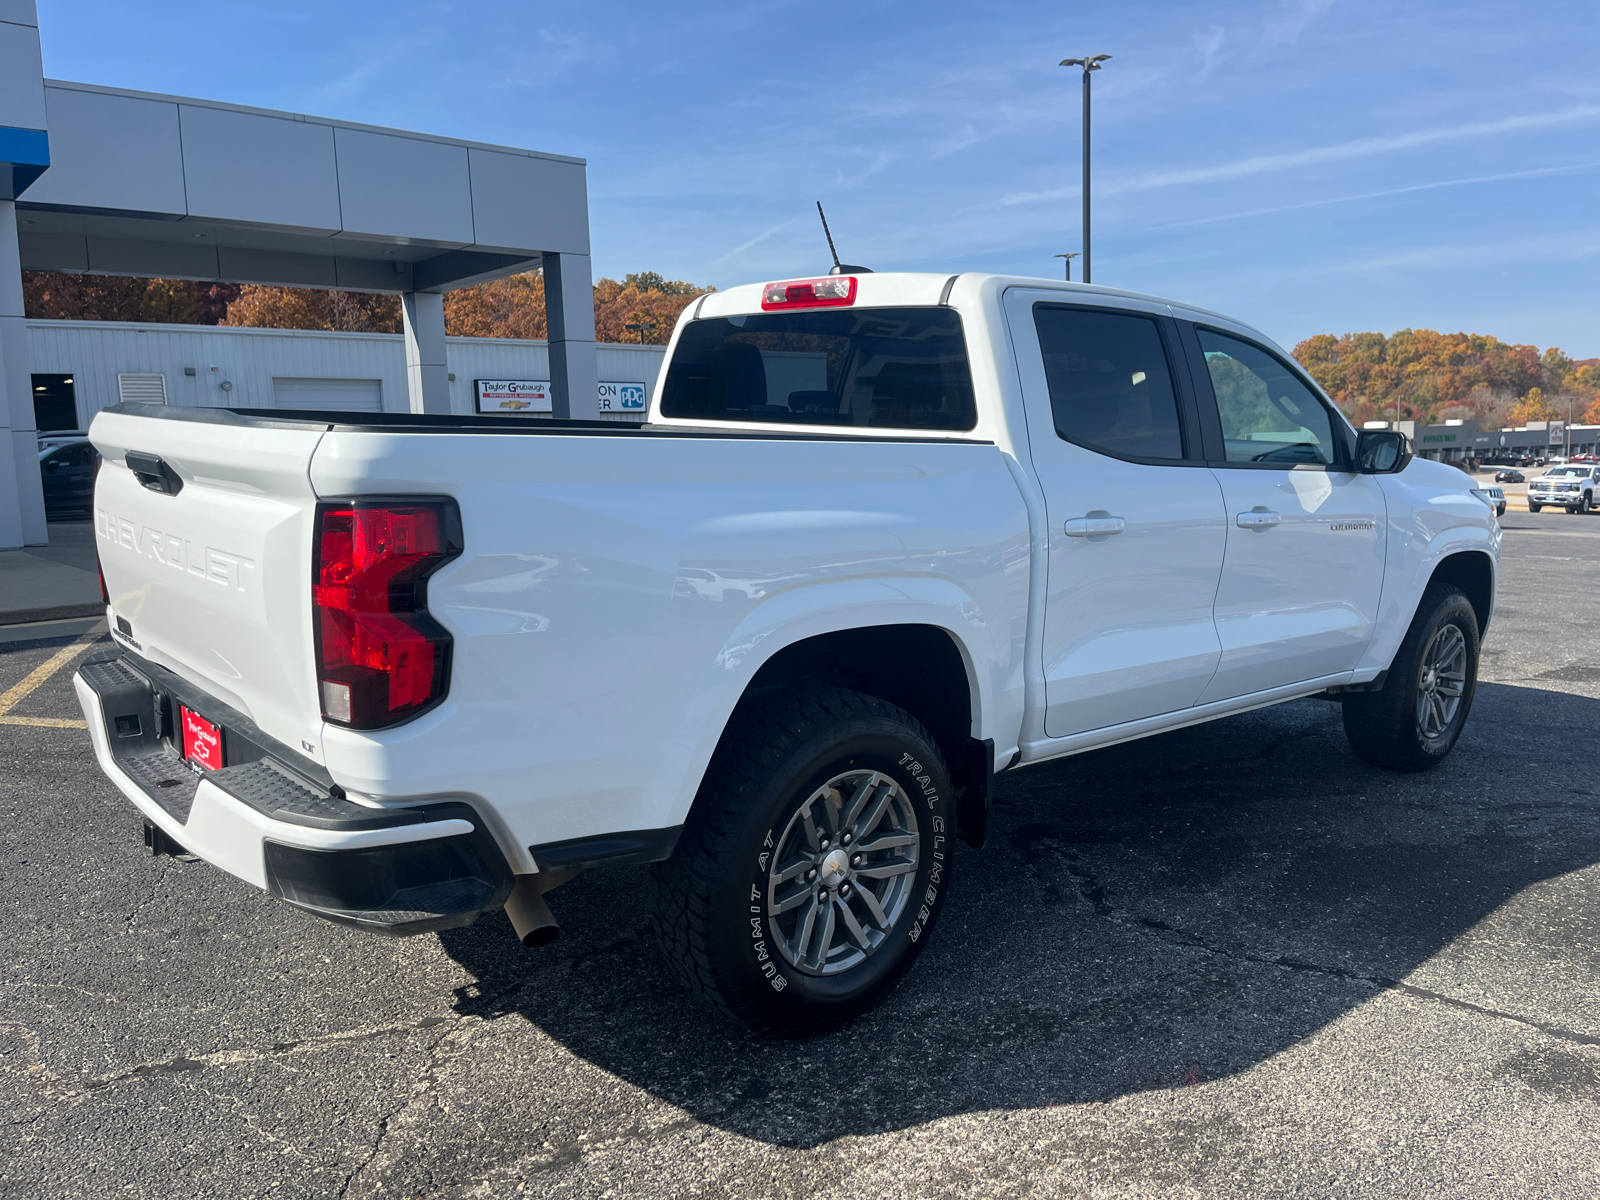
1110	388
896	368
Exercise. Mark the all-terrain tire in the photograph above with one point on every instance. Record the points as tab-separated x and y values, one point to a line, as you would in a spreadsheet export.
768	780
1386	727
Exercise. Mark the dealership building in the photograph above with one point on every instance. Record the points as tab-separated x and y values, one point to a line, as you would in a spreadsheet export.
1458	441
107	181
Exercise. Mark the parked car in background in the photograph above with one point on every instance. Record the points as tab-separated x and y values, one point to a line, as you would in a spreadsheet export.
1496	499
1572	487
1510	475
68	475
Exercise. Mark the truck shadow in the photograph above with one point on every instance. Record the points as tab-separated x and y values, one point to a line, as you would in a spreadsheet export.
1150	916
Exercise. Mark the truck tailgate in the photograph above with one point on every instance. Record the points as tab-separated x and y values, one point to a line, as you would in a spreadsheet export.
207	558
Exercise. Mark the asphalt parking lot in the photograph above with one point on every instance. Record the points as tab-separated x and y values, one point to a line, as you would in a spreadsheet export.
1231	961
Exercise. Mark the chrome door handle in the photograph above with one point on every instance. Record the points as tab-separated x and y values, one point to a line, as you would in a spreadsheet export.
1094	526
1258	520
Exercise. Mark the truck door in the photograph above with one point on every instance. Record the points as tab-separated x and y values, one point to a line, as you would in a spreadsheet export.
1136	529
1304	565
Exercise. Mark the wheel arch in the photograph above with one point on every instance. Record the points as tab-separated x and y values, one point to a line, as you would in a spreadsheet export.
1473	571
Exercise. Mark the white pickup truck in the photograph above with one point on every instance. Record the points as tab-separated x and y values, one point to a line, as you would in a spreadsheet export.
1572	487
882	536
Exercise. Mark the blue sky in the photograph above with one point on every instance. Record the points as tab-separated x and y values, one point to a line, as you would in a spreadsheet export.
1306	165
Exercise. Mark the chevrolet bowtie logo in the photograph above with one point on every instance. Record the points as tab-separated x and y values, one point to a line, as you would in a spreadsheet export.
516	403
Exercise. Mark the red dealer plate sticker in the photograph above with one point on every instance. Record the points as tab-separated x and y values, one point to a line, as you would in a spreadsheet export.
202	741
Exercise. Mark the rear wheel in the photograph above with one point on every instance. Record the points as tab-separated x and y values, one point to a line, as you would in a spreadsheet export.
1413	722
813	864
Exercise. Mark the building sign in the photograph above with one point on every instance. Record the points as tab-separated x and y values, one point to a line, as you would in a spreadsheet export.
1438	437
531	397
519	396
622	397
1558	433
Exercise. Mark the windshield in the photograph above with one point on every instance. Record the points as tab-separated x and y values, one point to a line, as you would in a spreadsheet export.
902	368
1560	471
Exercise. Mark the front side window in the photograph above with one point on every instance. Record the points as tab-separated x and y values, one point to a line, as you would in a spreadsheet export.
1110	389
1268	415
898	368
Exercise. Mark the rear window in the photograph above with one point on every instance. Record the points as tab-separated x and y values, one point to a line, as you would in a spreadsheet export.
895	368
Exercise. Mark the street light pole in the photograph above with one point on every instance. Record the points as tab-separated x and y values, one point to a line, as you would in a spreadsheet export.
1068	264
1092	63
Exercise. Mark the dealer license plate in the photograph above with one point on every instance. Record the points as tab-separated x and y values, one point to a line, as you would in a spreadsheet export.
202	741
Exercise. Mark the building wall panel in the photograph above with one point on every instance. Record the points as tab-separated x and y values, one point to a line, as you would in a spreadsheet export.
94	353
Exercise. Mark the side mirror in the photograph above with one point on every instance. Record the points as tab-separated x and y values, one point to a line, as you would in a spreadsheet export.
50	466
1382	451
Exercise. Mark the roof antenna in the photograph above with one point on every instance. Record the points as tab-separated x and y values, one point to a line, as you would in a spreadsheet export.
838	268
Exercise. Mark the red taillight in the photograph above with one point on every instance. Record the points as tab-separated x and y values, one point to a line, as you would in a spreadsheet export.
831	291
380	657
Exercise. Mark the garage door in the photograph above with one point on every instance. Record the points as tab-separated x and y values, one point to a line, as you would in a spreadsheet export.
329	395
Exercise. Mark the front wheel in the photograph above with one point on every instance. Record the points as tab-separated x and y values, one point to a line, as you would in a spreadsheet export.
813	863
1413	722
1533	508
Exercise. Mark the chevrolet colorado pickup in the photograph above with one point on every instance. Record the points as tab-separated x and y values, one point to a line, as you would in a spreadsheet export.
882	536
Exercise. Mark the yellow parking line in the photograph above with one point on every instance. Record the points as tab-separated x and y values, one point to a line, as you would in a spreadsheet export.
45	722
20	692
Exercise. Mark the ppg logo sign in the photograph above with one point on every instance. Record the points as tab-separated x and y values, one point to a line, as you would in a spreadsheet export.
622	397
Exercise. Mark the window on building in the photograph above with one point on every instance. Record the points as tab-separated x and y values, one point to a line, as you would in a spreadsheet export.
55	403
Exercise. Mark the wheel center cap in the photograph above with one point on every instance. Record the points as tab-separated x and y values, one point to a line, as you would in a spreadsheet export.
835	866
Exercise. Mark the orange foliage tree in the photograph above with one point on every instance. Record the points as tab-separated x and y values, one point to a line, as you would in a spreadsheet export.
60	296
1534	407
1422	373
641	299
512	307
315	308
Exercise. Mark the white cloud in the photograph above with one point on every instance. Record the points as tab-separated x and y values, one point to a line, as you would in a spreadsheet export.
1208	46
1401	191
1288	28
753	242
1548	247
1264	164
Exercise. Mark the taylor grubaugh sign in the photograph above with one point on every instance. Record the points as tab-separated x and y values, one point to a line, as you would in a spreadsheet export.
531	397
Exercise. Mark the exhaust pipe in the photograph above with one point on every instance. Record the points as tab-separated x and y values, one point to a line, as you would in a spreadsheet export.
530	915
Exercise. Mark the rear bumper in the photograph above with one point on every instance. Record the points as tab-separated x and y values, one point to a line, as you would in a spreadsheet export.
275	819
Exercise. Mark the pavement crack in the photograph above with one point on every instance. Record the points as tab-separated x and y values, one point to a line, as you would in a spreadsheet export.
394	1129
164	865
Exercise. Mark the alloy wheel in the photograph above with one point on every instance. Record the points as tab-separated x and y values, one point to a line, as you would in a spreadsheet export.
1443	682
840	877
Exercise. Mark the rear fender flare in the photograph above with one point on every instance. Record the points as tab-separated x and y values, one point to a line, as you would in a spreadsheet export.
811	611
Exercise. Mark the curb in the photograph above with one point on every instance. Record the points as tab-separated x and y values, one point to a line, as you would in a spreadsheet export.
58	612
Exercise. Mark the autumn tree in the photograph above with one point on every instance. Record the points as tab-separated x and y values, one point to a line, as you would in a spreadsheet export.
1422	374
515	307
512	307
1534	407
315	308
641	299
60	296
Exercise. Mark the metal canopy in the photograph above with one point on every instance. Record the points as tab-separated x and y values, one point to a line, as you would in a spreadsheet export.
146	184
